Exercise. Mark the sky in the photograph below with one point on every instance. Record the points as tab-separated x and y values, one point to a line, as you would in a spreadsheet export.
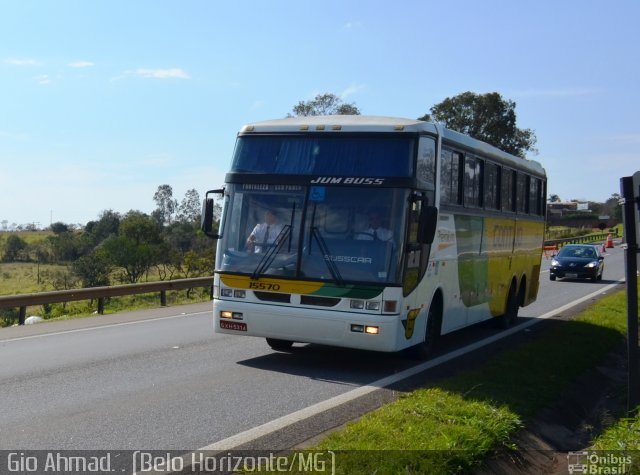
101	102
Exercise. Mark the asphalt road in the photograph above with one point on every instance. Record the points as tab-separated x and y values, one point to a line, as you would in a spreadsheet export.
162	379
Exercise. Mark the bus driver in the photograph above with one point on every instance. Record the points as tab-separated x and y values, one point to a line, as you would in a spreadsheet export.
265	233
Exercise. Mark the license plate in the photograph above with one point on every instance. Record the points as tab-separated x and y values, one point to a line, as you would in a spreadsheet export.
571	276
237	326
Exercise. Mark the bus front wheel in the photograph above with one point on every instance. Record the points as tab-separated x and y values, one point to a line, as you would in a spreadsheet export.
425	350
279	345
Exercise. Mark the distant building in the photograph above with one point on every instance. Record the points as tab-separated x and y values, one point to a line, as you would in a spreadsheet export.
560	208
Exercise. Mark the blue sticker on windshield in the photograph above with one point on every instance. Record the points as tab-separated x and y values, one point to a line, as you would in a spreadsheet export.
317	193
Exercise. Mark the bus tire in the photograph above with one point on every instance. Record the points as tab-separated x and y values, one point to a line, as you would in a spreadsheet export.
279	345
425	350
511	311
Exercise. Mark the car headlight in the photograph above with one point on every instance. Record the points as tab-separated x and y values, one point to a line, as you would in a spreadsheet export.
592	264
554	263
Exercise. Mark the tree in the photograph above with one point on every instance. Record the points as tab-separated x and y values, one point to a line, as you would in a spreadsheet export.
166	204
189	210
59	228
325	104
107	225
13	248
64	247
93	270
487	117
137	247
612	207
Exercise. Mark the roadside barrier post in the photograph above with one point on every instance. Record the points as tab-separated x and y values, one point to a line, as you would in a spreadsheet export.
631	206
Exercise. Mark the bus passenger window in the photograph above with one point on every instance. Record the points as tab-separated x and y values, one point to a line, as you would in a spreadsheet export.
534	196
508	190
522	193
427	160
473	182
491	186
450	178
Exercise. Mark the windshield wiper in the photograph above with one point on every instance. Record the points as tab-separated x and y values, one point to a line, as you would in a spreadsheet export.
326	256
273	251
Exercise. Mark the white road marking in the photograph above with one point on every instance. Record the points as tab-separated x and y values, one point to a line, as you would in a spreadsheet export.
102	327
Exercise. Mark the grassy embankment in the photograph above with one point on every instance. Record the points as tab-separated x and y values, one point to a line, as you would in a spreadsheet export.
453	425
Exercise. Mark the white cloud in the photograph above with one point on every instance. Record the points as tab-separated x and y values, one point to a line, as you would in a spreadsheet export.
18	137
81	64
351	90
176	73
352	24
43	79
21	62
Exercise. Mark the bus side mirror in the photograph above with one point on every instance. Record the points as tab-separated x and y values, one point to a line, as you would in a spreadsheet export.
427	225
208	207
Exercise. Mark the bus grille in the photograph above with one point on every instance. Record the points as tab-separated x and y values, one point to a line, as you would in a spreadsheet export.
319	301
273	296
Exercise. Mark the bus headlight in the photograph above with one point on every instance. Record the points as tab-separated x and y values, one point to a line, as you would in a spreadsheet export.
357	304
231	315
373	305
224	292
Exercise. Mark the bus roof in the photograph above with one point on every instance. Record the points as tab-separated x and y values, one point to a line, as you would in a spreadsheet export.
369	123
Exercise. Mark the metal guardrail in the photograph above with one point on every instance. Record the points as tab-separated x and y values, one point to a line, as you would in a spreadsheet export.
22	301
589	238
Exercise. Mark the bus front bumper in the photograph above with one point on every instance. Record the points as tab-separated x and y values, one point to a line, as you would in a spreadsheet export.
304	325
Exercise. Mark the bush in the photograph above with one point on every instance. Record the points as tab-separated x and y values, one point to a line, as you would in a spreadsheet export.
9	316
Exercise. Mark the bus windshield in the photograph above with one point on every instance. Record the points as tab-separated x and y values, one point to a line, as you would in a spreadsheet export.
339	234
379	156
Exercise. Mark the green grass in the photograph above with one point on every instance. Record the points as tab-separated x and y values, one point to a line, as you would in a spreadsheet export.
624	435
30	237
430	430
621	440
454	425
26	277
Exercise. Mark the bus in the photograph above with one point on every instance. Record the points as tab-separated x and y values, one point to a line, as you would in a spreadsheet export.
373	233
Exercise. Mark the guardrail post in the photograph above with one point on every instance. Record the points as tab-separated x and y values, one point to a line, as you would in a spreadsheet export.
101	305
22	315
163	298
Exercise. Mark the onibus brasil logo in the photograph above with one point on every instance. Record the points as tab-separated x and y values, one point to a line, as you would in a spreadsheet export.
592	462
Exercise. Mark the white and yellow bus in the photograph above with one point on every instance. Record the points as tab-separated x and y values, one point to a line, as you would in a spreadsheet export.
383	233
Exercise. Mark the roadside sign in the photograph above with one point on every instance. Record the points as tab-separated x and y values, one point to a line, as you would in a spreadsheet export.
636	195
630	190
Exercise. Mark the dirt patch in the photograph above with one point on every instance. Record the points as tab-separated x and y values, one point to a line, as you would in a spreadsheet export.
594	401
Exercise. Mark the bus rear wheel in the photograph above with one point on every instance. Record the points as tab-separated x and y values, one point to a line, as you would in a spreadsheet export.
279	345
511	311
